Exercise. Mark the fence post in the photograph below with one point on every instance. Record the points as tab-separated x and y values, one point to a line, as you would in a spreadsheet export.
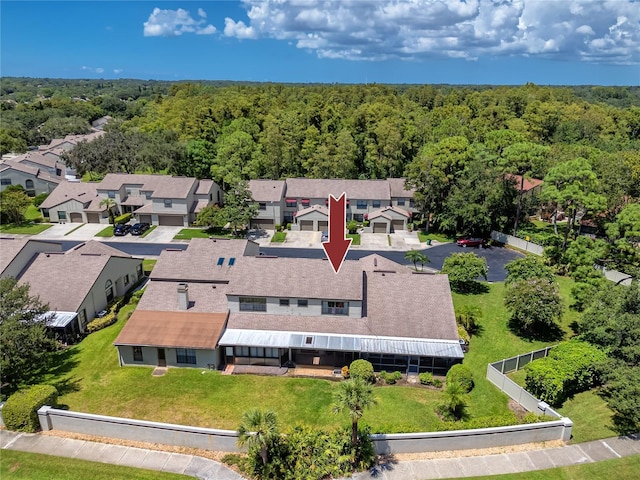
43	418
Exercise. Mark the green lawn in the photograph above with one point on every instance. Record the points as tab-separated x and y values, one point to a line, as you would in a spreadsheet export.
189	233
148	264
619	469
151	229
31	466
591	416
107	232
279	237
26	229
355	238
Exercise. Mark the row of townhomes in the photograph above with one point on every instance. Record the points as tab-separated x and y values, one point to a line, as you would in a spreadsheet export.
302	202
153	199
42	170
94	274
219	304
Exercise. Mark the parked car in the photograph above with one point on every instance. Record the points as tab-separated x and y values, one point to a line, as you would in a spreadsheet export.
325	236
139	228
471	242
121	230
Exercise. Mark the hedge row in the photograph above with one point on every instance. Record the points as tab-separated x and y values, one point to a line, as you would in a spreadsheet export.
20	412
571	367
124	218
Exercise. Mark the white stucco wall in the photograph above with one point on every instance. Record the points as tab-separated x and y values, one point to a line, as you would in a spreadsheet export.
313	308
204	358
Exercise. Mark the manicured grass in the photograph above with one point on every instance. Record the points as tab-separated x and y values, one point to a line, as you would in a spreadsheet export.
279	237
71	231
189	233
625	468
355	238
26	229
151	229
32	213
440	237
591	416
24	465
148	264
107	232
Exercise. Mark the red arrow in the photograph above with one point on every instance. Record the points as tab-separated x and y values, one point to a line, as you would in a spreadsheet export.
338	245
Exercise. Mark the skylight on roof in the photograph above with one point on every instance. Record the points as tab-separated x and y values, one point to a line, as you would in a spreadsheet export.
232	261
220	261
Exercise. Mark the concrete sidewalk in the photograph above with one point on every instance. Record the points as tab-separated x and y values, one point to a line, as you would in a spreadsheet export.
203	468
191	465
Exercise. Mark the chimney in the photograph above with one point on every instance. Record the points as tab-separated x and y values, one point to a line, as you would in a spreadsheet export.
183	296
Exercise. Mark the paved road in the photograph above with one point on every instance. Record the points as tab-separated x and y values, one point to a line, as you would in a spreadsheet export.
203	468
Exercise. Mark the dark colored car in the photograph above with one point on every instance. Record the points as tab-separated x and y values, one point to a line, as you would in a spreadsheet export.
139	228
471	242
121	230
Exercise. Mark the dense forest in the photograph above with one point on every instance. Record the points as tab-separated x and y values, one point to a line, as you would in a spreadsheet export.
455	144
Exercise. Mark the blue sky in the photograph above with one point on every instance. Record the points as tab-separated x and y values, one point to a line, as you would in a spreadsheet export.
344	41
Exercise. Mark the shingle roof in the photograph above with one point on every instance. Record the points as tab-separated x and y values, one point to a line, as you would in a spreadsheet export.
321	188
45	277
398	188
30	170
80	191
383	212
529	183
200	260
313	208
172	329
162	186
203	297
94	247
413	306
10	247
204	187
38	159
266	190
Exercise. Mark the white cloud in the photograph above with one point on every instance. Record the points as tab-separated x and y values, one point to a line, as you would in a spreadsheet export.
173	23
92	69
117	71
591	30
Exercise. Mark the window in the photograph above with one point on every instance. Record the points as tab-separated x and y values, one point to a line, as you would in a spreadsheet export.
308	341
111	193
147	195
139	271
361	204
253	304
288	218
62	215
411	202
108	290
28	184
168	203
358	217
375	204
82	317
137	354
303	303
335	308
262	205
258	352
5	181
291	202
186	355
128	191
401	202
305	202
284	302
126	280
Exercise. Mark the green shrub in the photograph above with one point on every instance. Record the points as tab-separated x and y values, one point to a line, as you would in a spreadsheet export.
571	367
278	227
463	334
352	226
362	369
426	378
100	323
124	218
365	223
288	226
38	199
531	417
20	412
390	378
437	383
481	422
461	374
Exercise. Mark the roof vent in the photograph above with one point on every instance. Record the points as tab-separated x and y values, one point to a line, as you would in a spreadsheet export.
375	262
183	296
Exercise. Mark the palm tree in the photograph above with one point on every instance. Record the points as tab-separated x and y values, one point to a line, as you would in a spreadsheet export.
258	429
416	257
455	400
109	204
354	396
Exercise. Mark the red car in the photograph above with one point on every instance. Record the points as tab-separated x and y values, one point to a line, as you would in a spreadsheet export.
471	242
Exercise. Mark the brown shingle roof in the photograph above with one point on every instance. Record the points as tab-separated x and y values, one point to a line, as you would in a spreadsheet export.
398	188
313	208
80	272
203	297
38	159
94	247
321	188
200	260
382	212
10	248
80	191
172	329
266	190
162	186
30	170
529	183
204	187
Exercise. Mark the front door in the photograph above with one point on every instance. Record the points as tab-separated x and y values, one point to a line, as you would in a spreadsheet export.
414	364
162	359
